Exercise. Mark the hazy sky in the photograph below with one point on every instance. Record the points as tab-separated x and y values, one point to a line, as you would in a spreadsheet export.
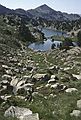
70	6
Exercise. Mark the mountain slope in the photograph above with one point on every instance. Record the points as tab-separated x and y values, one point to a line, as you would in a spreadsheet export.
43	11
48	13
4	10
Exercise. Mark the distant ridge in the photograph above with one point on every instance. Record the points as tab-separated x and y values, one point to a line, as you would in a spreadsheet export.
48	13
42	11
4	10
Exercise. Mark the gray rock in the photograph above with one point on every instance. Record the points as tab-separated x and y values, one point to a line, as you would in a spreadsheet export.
79	103
70	90
20	97
76	113
53	76
52	80
9	72
55	86
77	76
5	76
13	60
17	112
53	69
31	117
14	81
40	77
4	82
21	113
5	97
5	66
20	83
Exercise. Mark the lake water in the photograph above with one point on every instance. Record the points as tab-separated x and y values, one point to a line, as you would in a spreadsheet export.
47	44
44	46
50	32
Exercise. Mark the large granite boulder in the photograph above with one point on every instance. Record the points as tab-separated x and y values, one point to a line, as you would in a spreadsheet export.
75	113
21	113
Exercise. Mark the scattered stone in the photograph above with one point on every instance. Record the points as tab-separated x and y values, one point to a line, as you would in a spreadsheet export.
20	97
67	68
27	77
47	85
53	76
5	97
5	76
34	116
19	64
51	95
39	87
55	86
17	70
62	87
4	82
14	81
77	76
5	66
53	69
70	90
13	60
52	80
41	77
20	83
9	72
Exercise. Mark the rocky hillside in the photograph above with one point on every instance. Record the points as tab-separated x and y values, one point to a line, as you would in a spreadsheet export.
37	85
